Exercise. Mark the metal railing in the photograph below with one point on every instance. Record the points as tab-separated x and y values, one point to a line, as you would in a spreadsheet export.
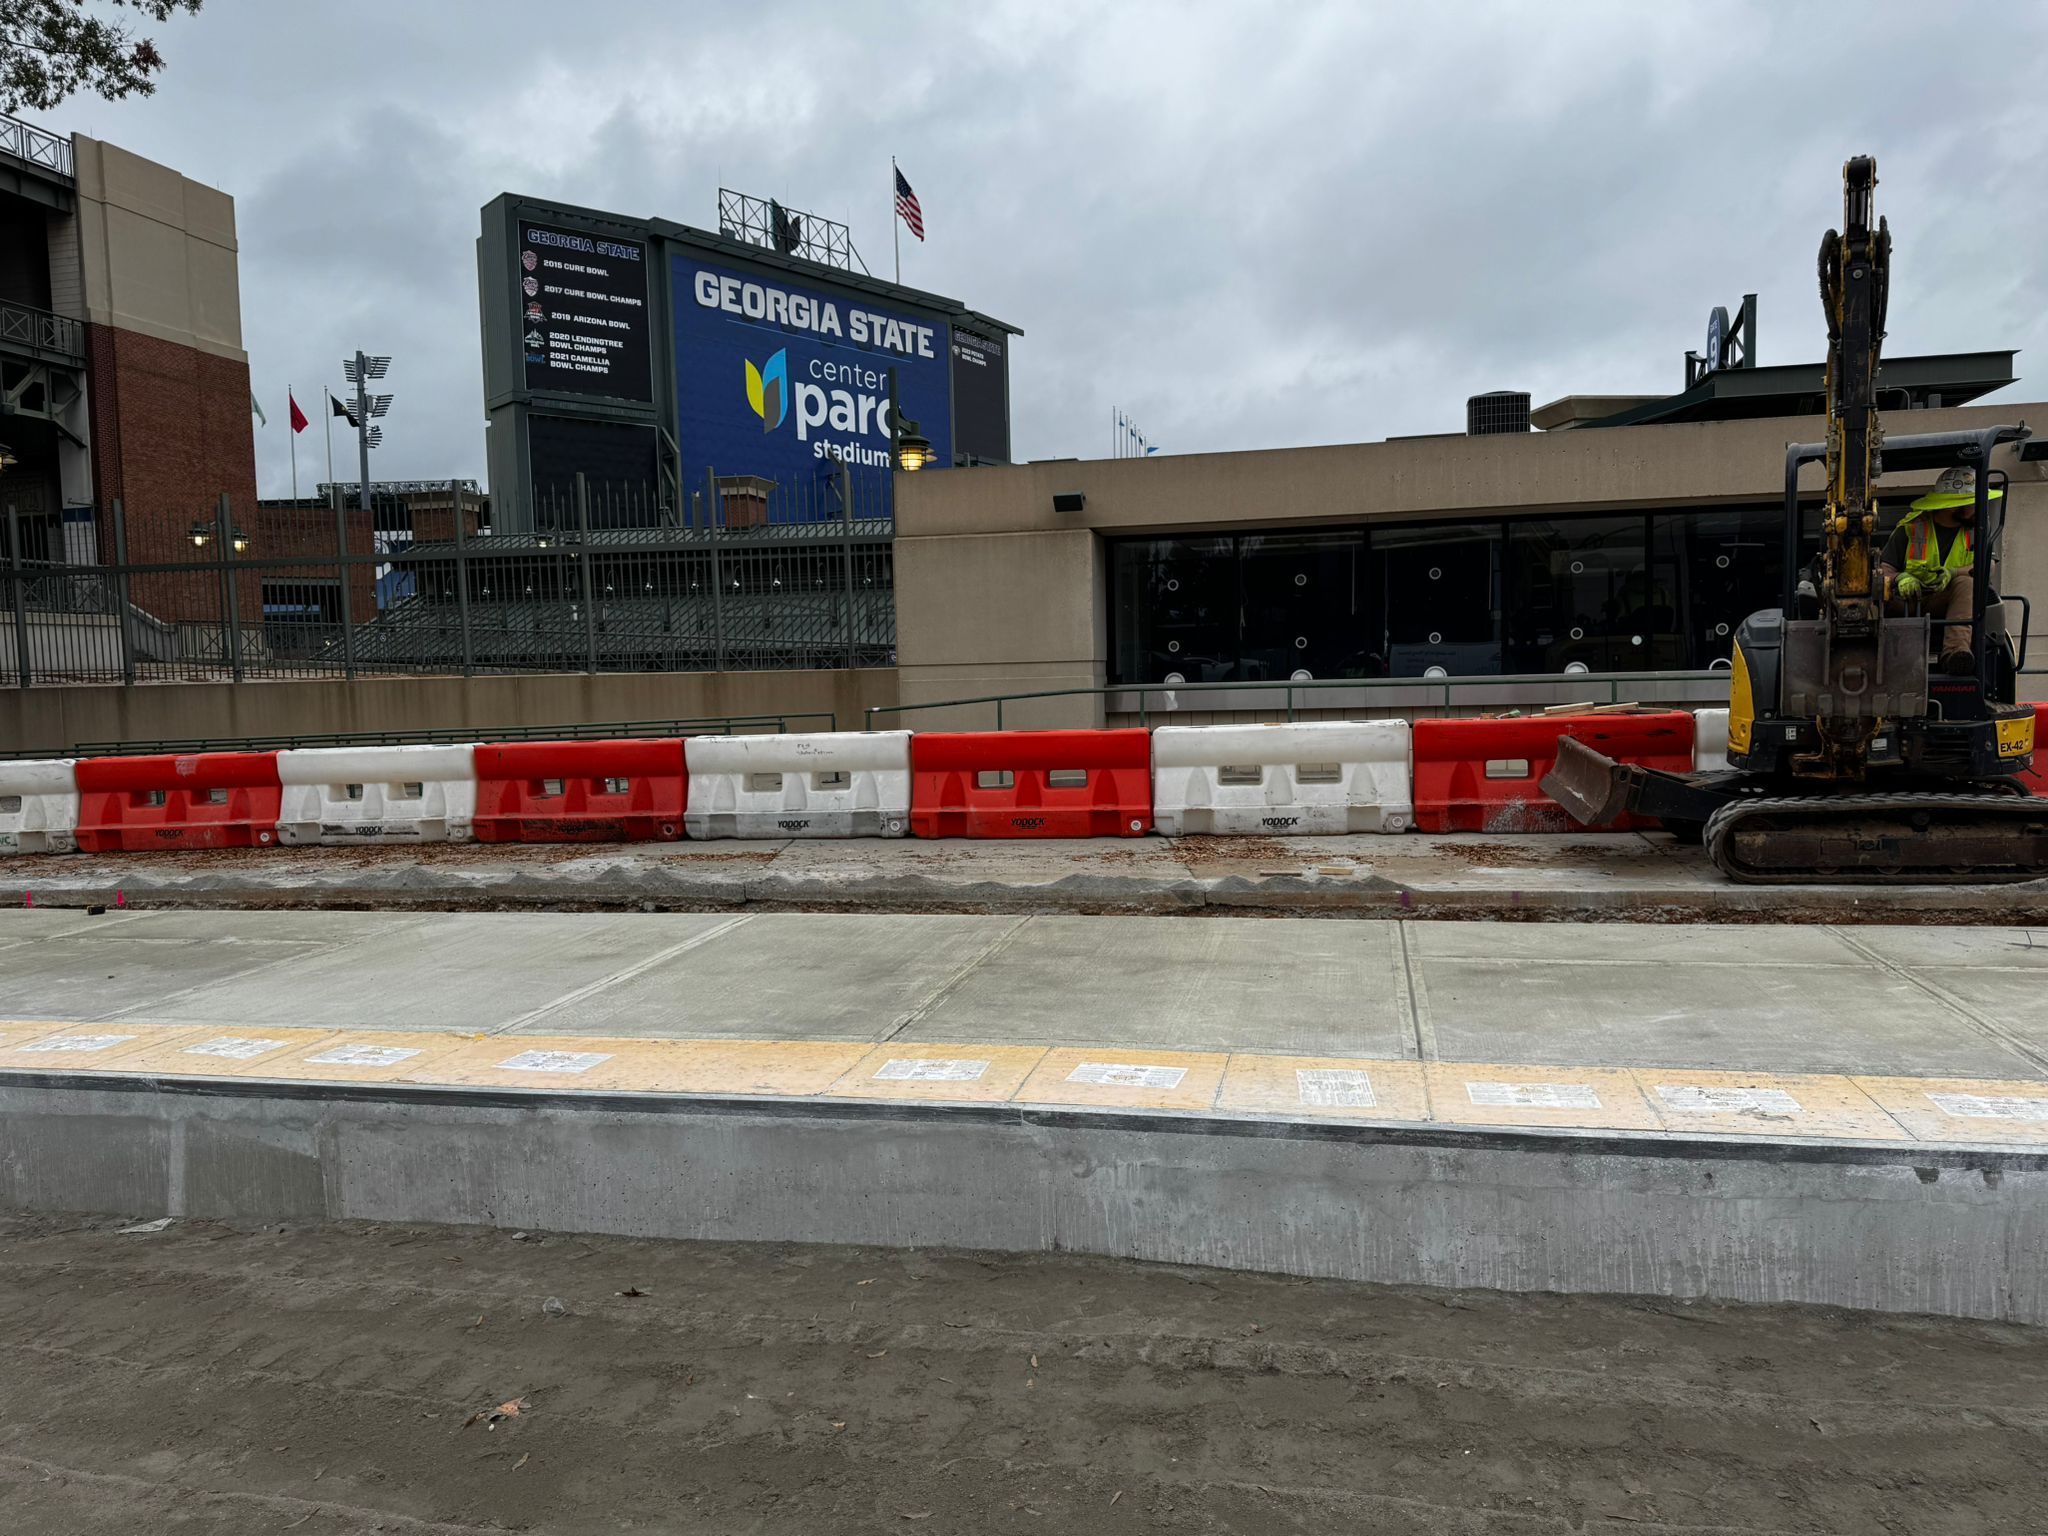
23	325
775	227
617	730
1416	693
745	579
38	146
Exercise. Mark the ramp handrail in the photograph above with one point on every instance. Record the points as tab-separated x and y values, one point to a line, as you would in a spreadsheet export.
1587	683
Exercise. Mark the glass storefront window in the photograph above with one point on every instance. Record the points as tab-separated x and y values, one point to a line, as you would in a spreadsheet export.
1734	566
1176	609
1440	587
1619	593
1305	607
1583	589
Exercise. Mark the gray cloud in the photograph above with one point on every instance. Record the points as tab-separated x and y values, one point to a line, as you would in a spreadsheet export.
1249	225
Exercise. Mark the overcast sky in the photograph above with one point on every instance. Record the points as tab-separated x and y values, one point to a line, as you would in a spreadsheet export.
1249	226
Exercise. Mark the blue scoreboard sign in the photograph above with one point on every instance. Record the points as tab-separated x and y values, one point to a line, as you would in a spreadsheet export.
790	381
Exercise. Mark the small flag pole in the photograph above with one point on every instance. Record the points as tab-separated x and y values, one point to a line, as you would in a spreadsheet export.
895	221
293	434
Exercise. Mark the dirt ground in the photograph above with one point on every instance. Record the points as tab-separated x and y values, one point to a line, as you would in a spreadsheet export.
209	1379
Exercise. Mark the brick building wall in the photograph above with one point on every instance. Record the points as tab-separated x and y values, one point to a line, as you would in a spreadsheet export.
305	531
171	432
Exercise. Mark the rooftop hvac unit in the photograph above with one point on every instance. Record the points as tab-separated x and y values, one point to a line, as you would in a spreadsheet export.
1504	410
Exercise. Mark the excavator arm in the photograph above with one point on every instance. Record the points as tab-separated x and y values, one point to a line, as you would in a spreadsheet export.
1855	275
1848	644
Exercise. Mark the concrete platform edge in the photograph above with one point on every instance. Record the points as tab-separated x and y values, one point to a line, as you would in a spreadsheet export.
1953	1231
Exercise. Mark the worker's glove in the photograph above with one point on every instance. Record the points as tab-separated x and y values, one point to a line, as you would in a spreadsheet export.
1909	587
1938	582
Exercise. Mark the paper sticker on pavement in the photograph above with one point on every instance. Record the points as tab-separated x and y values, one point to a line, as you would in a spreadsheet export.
364	1056
1533	1095
553	1061
1116	1074
75	1043
232	1047
931	1069
1980	1106
1334	1087
1729	1101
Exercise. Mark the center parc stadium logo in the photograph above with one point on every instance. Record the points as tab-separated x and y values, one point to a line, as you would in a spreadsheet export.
768	390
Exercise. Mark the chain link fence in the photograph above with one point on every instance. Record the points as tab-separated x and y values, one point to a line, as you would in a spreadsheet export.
740	575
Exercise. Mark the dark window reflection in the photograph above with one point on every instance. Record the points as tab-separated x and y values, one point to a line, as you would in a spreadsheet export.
1176	609
1441	604
1734	563
1583	590
1617	593
1306	608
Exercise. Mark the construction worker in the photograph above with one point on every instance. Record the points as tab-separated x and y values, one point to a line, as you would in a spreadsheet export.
1929	562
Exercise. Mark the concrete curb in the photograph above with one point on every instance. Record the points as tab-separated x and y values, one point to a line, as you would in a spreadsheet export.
655	886
1956	1231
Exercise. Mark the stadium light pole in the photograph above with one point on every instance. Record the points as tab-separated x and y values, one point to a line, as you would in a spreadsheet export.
358	370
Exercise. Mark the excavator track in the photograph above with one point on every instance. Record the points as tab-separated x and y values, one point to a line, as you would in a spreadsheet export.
1903	839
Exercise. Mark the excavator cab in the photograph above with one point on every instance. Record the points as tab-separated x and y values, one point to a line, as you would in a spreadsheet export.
1924	724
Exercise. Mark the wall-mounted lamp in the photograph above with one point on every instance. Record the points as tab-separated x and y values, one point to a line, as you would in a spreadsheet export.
910	448
913	451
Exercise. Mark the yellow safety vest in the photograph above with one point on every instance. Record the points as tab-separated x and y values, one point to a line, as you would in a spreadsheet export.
1922	563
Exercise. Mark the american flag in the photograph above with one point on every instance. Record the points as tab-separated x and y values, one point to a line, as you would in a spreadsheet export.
906	207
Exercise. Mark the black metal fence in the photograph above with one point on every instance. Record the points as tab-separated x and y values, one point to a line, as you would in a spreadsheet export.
29	329
742	575
36	146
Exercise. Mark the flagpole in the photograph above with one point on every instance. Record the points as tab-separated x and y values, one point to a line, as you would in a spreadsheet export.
292	404
328	400
895	221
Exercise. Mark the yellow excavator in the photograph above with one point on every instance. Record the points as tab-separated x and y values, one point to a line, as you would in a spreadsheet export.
1851	758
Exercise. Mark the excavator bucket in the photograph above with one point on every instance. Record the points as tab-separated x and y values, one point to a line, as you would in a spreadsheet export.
1592	786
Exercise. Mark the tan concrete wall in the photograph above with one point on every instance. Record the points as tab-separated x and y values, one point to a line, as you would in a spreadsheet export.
54	720
1413	478
1009	613
157	252
2025	568
985	568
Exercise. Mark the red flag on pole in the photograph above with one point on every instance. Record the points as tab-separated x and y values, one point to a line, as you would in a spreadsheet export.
299	421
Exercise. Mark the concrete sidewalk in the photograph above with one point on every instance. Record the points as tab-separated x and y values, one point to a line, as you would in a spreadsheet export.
1617	877
1853	1116
1867	1001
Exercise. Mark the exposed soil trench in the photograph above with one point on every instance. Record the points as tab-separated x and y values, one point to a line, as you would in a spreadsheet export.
336	1380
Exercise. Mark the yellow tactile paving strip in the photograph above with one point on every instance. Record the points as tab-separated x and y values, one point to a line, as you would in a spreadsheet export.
1801	1106
972	1074
1571	1098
